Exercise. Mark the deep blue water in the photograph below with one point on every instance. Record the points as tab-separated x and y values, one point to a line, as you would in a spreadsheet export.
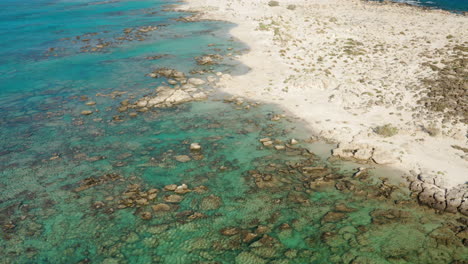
451	5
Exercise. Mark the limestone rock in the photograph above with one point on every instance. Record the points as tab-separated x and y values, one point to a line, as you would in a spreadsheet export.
161	207
383	157
196	81
195	146
173	198
179	96
170	187
146	215
249	258
211	202
199	96
454	199
182	158
333	217
181	189
229	231
363	154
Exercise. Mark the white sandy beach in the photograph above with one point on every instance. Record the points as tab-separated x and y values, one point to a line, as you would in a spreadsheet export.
348	66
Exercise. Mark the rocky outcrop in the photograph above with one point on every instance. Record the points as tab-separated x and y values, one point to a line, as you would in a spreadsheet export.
208	59
430	191
168	73
364	152
168	97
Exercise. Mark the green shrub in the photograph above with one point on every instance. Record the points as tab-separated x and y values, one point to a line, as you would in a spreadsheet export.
273	3
386	130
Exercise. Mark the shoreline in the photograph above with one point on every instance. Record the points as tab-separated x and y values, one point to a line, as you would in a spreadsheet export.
332	65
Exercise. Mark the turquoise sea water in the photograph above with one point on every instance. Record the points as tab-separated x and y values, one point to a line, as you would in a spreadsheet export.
81	189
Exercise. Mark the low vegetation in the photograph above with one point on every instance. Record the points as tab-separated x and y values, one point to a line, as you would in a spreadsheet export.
386	130
273	3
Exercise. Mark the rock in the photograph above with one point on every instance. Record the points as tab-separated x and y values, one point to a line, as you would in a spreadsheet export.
344	208
173	198
383	216
196	215
279	147
293	141
432	196
267	143
265	139
196	81
151	191
141	201
331	217
383	157
262	229
195	146
182	189
146	215
161	207
342	153
463	208
90	103
363	154
170	187
199	96
182	158
86	112
179	96
416	186
152	196
168	73
205	60
142	103
211	202
249	258
229	231
454	198
248	237
172	82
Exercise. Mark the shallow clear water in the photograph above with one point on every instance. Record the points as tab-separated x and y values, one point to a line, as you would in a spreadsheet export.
76	189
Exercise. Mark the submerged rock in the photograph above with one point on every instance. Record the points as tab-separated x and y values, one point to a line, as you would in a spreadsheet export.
161	207
249	258
181	189
211	202
195	146
170	187
229	231
196	81
249	237
332	217
86	112
182	158
173	198
146	215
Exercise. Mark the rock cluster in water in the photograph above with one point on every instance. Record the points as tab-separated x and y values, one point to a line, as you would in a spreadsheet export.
430	191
